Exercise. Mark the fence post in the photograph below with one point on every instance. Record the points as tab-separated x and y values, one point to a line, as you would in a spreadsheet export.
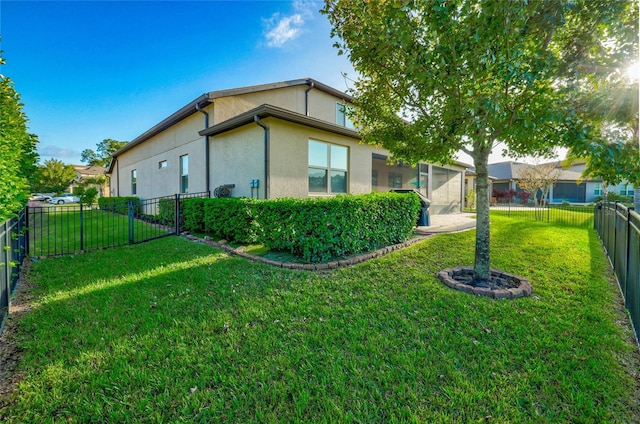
27	234
615	232
81	229
176	213
628	270
131	217
6	259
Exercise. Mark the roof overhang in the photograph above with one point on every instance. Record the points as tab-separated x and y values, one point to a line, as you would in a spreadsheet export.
183	113
267	111
208	98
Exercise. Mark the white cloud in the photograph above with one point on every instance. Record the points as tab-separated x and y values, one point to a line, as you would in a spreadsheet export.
280	29
57	152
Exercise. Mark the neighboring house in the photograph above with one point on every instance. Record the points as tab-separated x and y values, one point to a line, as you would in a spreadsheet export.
569	187
470	178
285	139
85	172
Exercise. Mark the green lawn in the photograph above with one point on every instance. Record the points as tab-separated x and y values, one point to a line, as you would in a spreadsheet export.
57	230
556	214
176	331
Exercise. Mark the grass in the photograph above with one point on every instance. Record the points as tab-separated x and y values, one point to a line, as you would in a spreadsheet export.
556	214
57	230
175	331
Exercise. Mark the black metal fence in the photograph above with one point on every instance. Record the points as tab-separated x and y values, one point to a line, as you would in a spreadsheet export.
575	215
619	230
67	229
13	243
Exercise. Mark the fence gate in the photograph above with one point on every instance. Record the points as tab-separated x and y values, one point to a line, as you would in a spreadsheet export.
67	229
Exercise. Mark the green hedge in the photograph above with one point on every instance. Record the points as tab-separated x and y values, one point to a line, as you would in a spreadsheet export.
193	214
166	211
317	230
230	219
120	204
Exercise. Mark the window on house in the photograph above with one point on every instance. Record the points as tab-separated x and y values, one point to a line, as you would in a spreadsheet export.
328	169
162	164
374	178
626	190
341	116
395	179
597	189
184	174
134	181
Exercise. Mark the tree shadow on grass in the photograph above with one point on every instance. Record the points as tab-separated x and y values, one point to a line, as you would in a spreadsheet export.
181	331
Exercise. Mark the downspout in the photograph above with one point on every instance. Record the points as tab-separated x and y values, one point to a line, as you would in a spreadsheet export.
257	120
206	146
306	97
117	179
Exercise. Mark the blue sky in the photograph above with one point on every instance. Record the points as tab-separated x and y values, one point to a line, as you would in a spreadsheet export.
90	70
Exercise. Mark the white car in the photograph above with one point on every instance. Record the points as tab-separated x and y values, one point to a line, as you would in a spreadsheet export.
65	198
40	196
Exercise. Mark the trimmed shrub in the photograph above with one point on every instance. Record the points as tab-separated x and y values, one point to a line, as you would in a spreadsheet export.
166	211
193	213
319	230
229	218
316	230
120	204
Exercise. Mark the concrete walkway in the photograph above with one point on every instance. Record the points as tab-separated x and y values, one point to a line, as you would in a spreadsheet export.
449	223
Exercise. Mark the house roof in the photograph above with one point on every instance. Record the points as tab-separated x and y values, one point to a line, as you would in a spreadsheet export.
266	110
505	170
471	172
207	98
90	169
512	170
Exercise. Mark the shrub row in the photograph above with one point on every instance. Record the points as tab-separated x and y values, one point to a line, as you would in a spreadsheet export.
317	230
120	204
166	211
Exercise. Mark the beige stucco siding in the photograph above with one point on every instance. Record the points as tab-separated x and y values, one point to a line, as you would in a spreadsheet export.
291	98
289	170
170	145
237	157
321	105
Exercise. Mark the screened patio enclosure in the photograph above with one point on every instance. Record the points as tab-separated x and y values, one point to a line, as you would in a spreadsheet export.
442	185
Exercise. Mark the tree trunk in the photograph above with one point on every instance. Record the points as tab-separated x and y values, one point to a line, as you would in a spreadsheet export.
482	267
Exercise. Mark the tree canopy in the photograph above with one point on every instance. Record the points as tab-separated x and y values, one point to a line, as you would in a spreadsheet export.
102	155
613	153
55	177
439	76
18	155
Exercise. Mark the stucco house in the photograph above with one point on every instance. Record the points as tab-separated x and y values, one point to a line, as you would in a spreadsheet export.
92	173
569	187
284	139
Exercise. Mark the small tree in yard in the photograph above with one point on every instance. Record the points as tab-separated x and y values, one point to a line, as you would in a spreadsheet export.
439	76
538	177
88	196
